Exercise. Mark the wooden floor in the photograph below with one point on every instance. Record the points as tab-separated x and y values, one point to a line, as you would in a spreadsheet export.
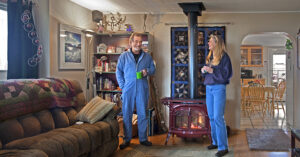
268	121
237	141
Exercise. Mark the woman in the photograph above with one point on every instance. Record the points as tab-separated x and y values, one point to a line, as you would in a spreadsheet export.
217	73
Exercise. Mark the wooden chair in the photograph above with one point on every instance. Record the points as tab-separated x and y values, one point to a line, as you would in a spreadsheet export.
270	97
257	99
245	105
255	84
278	100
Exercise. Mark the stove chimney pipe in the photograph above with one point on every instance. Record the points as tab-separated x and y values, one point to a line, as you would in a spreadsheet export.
193	10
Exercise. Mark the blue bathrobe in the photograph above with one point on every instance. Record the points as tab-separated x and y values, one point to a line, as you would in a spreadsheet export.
134	91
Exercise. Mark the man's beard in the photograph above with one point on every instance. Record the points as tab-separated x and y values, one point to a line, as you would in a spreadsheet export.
136	48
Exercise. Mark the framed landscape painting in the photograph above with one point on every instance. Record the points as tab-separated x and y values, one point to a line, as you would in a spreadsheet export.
71	45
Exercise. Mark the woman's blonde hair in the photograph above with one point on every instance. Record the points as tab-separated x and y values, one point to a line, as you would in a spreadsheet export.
218	51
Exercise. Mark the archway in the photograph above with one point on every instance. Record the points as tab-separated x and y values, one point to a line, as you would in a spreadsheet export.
265	61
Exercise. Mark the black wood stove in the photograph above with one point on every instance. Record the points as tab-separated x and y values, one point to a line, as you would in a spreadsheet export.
188	117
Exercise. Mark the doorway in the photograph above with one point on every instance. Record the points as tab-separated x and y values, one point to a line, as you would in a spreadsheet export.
264	62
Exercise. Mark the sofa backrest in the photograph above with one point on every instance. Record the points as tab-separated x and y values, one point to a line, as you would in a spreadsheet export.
31	107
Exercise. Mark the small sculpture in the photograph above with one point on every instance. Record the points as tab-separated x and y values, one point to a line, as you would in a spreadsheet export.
115	21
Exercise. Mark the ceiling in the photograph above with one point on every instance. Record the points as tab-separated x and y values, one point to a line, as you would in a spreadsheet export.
171	6
212	6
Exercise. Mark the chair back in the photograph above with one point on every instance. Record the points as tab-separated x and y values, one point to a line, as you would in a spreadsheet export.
280	90
256	93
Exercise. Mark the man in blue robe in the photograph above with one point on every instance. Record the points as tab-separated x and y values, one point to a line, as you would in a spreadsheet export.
135	90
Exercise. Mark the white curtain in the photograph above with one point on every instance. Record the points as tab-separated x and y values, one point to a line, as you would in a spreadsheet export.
3	40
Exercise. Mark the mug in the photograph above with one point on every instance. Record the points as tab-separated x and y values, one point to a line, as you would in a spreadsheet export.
139	75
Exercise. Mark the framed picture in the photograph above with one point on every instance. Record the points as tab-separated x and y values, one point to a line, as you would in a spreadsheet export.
298	49
71	48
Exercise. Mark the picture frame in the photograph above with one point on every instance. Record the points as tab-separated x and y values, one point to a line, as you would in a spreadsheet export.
71	48
298	49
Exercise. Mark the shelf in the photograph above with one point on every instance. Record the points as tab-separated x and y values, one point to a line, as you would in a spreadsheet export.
181	47
182	65
180	82
187	47
107	77
107	53
118	34
179	51
110	91
186	82
186	65
105	72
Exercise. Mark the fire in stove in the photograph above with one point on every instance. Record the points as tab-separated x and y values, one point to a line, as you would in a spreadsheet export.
198	120
182	119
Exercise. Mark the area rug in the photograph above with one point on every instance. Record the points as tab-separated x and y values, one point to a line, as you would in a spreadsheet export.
268	139
172	151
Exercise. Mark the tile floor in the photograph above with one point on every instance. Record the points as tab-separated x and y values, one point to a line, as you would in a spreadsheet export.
256	120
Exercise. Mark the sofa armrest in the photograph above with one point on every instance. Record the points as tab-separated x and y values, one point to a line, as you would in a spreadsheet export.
112	114
22	153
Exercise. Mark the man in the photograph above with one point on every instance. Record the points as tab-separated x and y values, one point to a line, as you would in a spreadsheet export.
135	90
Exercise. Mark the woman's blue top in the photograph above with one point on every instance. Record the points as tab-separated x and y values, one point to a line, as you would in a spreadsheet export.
221	72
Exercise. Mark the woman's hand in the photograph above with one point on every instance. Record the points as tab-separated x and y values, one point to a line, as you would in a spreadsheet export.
207	69
203	70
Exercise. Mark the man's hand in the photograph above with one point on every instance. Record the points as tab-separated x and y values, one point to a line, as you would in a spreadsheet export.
144	72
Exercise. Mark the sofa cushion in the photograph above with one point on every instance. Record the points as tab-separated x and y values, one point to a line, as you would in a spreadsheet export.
114	126
82	138
60	118
23	153
31	125
58	142
95	110
46	120
71	113
84	111
10	130
81	101
106	131
94	132
107	149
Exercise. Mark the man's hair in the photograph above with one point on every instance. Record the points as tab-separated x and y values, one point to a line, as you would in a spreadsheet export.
135	34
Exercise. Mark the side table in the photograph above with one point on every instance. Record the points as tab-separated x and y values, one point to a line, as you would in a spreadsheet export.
295	134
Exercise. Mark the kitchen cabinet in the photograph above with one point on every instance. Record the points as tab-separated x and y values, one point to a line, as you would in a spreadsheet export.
252	56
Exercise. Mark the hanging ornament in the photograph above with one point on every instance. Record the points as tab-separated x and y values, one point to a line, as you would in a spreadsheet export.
29	27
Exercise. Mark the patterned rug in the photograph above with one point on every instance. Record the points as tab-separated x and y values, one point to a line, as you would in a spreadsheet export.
171	151
268	139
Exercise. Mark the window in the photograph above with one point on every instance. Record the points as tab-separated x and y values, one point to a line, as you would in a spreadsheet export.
3	37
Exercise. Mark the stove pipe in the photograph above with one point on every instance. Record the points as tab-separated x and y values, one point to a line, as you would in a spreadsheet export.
193	10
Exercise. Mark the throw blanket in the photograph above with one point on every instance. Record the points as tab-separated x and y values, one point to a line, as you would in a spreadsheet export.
20	97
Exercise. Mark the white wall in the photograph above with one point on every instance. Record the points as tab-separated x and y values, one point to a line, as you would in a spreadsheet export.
66	12
241	25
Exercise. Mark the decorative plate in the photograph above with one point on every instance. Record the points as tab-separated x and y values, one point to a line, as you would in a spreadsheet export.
101	48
